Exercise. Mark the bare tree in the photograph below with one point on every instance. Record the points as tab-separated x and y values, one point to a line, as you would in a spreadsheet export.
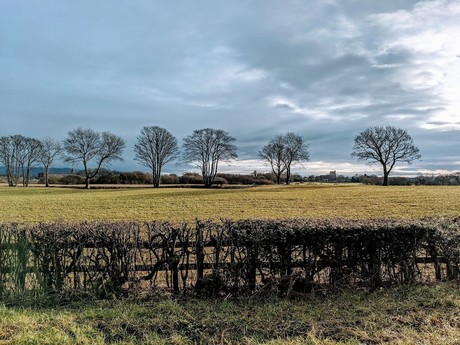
205	148
50	149
19	154
154	148
295	150
273	154
9	148
456	176
284	151
385	145
86	145
29	158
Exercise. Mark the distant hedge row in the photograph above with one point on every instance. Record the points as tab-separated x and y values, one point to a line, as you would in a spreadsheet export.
227	257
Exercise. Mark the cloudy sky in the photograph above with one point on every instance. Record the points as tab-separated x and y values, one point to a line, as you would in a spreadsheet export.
323	69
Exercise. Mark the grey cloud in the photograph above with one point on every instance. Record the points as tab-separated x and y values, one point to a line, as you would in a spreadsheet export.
441	123
187	65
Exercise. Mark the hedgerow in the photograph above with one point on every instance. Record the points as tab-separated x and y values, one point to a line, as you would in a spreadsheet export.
284	257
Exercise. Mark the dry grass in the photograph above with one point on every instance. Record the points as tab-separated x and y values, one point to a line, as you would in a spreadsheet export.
409	315
35	204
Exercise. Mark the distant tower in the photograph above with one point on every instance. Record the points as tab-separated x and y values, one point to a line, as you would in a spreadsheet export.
333	175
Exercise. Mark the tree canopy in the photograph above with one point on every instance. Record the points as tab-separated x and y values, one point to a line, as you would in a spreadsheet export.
205	148
154	148
86	146
283	151
385	145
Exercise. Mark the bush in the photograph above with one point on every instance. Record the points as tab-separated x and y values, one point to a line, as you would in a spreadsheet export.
280	256
169	179
52	179
191	178
72	179
136	177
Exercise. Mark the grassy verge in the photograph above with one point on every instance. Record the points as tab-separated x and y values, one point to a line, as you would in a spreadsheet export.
406	315
185	204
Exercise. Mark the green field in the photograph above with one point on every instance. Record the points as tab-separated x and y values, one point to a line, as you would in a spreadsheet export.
37	204
405	315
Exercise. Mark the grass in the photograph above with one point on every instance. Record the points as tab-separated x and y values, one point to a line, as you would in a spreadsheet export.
36	204
405	315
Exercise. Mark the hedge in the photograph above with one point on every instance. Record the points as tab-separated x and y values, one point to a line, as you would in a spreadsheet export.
286	257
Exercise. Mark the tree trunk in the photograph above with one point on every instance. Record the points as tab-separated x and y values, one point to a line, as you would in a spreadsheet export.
208	182
385	177
154	182
23	173
87	182
46	177
288	176
26	184
278	179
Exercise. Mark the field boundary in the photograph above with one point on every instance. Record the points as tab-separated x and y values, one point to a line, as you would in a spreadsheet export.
226	257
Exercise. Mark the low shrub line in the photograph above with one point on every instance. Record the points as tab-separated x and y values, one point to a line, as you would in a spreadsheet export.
285	257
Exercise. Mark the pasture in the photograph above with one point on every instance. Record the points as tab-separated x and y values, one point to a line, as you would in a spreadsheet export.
419	314
37	204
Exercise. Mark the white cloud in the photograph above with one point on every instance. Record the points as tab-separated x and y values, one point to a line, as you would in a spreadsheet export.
430	32
285	103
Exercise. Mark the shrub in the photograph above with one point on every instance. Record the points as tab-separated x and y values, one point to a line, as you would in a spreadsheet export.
282	256
169	179
72	179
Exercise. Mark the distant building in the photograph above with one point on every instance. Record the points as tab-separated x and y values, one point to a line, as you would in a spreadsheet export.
331	177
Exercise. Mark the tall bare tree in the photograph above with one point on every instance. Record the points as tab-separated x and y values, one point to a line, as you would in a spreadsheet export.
19	154
283	151
273	154
50	149
154	148
385	145
205	148
295	150
9	153
30	157
86	146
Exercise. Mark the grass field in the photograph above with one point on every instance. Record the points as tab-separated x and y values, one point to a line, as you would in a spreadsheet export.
36	204
401	315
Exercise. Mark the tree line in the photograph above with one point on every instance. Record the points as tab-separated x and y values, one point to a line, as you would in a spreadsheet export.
114	177
205	148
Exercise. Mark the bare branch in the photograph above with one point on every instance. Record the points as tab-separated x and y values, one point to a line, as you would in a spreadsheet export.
154	148
205	148
385	145
86	145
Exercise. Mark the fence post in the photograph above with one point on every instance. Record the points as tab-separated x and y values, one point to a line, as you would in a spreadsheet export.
199	249
252	263
22	248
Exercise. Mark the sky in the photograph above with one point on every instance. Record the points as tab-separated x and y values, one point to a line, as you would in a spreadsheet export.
323	69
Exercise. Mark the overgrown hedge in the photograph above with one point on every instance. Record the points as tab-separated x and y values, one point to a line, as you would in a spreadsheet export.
226	257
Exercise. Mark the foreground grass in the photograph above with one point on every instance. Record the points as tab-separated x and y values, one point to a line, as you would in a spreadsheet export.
407	315
36	204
